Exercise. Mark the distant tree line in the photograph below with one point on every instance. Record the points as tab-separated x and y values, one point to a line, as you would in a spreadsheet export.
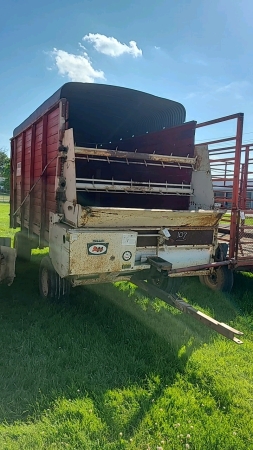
5	170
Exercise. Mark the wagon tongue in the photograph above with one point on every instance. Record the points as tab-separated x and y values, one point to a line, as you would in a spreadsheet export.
178	303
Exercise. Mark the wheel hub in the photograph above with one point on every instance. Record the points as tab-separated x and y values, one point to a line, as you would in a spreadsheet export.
158	282
213	278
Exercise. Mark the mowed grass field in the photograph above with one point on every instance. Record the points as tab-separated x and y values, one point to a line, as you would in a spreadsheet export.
113	370
4	198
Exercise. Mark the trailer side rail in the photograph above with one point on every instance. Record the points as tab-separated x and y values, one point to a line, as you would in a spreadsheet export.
226	175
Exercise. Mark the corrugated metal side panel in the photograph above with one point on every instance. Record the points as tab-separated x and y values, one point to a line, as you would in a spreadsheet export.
27	169
37	170
12	186
18	172
31	151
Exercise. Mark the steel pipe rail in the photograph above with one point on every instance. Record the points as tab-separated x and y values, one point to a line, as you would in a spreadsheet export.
134	155
90	184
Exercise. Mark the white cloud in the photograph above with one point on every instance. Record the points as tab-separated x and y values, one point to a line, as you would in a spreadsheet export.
84	48
234	86
79	67
193	94
236	90
200	62
195	60
112	47
76	67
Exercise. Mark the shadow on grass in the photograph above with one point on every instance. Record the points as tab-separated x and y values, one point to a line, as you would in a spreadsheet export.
103	341
242	292
225	307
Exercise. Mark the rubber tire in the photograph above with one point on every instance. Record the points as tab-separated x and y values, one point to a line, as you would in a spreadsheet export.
223	280
51	285
221	252
202	280
22	244
168	284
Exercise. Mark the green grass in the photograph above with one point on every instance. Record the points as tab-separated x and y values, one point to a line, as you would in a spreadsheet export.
4	198
113	370
5	220
247	221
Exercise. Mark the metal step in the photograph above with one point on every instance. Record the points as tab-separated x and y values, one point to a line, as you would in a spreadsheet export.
159	263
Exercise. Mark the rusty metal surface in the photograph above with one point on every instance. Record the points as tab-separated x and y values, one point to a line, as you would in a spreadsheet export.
101	279
132	155
203	266
97	252
219	120
183	236
189	274
236	186
245	236
126	217
128	187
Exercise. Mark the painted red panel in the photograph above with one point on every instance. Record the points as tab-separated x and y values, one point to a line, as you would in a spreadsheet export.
51	171
17	169
26	172
51	152
38	161
33	147
39	139
52	139
53	131
36	201
51	203
54	113
53	122
39	128
37	169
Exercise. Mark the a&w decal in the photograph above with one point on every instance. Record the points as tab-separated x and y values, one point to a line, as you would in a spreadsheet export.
97	249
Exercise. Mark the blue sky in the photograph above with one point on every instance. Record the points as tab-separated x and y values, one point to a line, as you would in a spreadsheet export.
198	52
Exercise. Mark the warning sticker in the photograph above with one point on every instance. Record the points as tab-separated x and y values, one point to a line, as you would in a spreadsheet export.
129	239
18	169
